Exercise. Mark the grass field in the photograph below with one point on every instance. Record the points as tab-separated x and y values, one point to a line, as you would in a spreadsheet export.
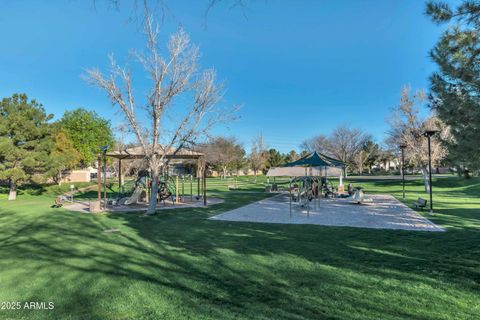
179	265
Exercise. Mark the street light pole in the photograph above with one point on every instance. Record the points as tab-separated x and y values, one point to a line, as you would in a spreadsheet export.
105	180
104	151
429	134
430	172
99	181
402	147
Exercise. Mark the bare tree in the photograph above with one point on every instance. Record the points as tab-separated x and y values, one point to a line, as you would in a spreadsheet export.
347	142
258	155
320	143
224	153
343	143
162	6
168	126
407	127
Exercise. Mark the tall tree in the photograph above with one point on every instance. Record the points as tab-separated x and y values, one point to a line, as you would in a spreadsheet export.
166	126
320	143
275	158
456	85
25	141
63	156
366	156
346	142
407	127
225	154
292	156
343	143
88	131
258	155
387	155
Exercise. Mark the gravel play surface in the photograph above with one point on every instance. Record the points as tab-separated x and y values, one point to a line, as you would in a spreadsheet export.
385	212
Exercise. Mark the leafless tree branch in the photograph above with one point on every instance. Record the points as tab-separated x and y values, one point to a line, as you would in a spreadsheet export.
175	77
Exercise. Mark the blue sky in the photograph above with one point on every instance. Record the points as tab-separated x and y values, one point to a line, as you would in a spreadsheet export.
299	68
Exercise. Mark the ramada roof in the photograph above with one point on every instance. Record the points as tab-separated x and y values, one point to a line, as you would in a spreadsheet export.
137	153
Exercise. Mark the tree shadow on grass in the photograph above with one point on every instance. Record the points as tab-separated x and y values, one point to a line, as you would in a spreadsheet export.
459	218
213	269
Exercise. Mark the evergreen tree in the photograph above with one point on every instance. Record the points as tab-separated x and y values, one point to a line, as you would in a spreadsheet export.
292	156
25	141
456	86
275	159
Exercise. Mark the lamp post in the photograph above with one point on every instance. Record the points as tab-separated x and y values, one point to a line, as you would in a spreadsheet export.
104	151
429	134
402	147
99	182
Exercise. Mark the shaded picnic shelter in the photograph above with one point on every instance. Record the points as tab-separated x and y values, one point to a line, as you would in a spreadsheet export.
316	159
311	164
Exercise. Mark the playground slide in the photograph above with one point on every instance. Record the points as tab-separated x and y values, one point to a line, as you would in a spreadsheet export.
135	196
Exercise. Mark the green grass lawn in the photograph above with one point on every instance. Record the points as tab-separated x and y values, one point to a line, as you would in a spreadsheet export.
179	265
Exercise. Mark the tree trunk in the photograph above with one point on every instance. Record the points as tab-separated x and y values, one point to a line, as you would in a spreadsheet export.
12	195
60	178
360	168
425	179
224	169
152	206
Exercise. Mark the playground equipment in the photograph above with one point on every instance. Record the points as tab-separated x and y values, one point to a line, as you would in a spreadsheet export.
140	187
303	190
360	197
307	179
170	187
164	192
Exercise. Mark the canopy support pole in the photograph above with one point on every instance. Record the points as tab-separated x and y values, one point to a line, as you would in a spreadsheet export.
307	188
191	188
198	179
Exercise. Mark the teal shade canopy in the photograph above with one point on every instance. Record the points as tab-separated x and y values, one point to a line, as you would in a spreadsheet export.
316	159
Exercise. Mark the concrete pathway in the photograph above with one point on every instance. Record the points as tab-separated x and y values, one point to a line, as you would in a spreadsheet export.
385	212
398	177
83	206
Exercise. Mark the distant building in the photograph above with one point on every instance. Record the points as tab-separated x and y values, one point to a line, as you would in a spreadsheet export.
387	165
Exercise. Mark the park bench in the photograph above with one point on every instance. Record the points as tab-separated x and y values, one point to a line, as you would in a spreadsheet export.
420	203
